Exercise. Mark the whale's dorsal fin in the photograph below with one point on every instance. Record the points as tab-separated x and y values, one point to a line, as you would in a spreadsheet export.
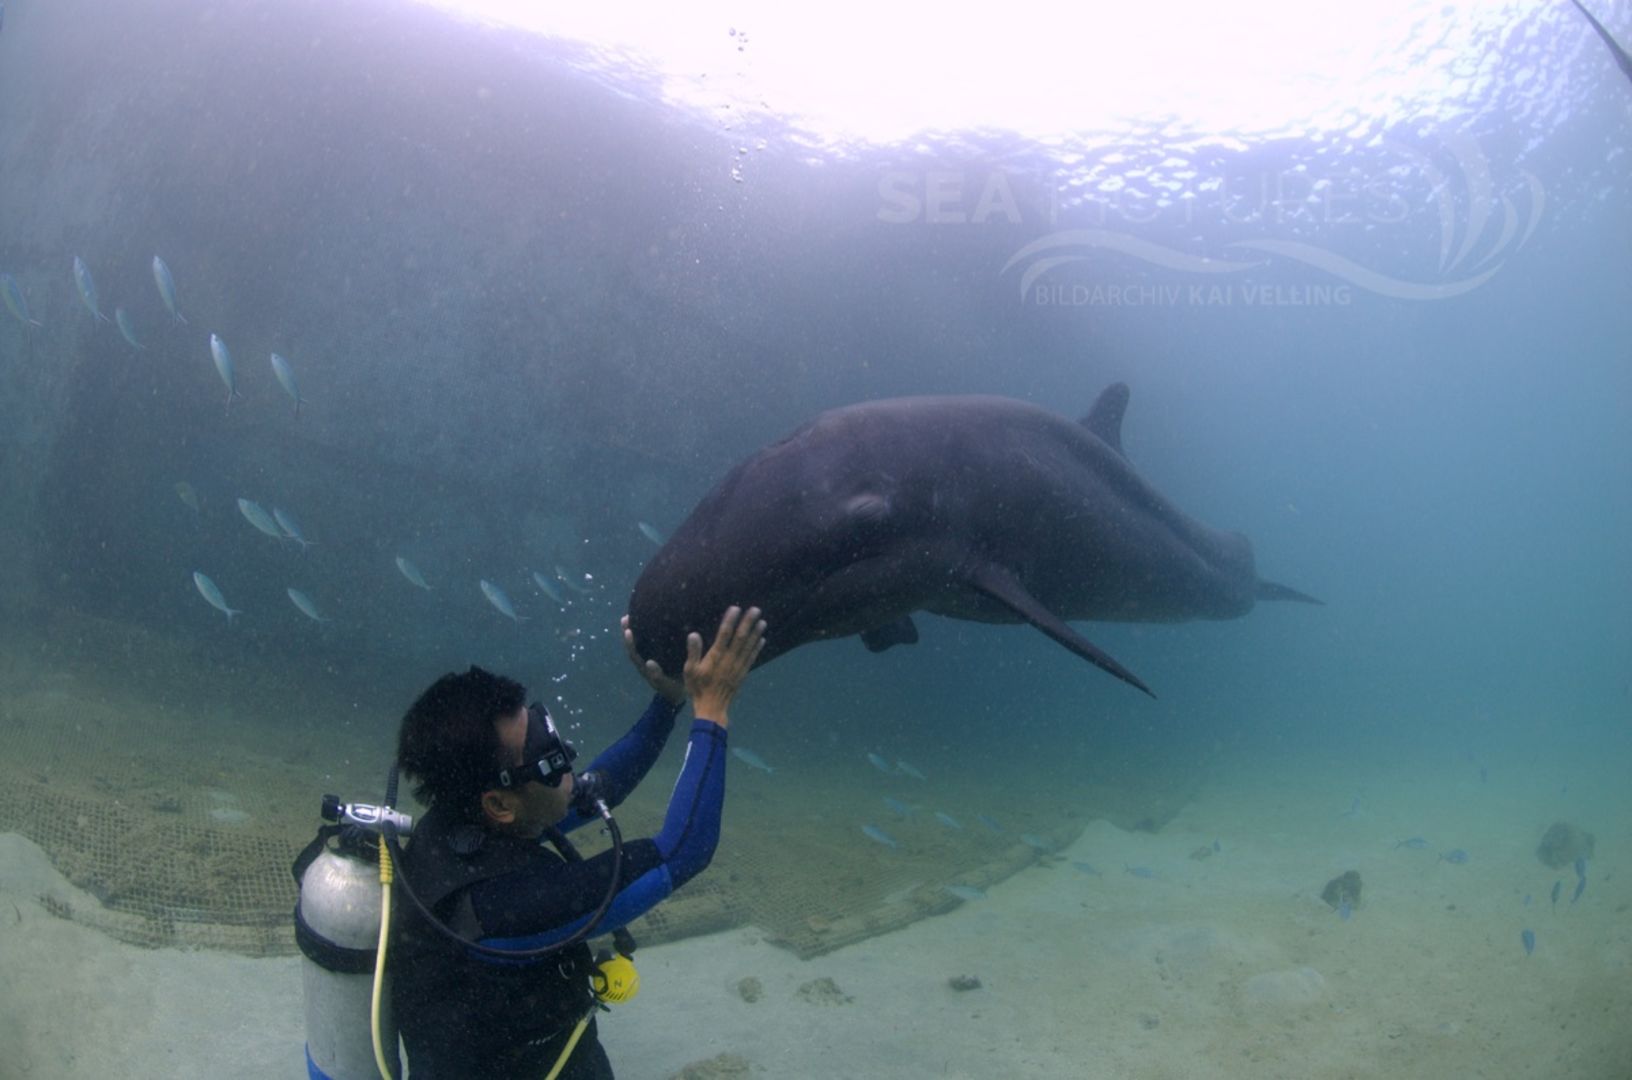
1105	418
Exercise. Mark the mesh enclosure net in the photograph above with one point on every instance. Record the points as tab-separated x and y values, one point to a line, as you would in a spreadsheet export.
178	823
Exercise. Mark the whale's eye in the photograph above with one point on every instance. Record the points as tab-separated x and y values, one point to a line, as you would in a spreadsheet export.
867	510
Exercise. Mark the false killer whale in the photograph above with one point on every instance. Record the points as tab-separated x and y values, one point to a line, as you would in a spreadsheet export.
981	508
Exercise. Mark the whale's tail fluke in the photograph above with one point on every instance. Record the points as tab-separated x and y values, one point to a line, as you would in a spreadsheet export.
1621	56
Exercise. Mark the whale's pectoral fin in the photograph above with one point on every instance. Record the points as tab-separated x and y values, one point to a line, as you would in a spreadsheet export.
1002	586
1268	590
900	632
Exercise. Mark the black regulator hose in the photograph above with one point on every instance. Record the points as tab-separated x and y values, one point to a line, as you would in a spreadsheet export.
586	800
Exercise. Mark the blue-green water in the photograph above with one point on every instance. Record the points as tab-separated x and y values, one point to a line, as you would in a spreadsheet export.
533	301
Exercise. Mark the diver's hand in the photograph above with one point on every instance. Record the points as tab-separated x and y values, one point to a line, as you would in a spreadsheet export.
672	689
713	678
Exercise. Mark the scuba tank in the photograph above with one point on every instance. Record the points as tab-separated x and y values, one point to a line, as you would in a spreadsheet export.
343	919
337	926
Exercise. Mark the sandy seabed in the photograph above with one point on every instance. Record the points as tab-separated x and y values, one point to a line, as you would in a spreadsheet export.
1224	966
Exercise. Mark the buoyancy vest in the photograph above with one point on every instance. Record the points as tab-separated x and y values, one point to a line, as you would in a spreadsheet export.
463	1014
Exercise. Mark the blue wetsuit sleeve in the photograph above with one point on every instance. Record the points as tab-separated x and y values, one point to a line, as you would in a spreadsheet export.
626	762
691	828
547	903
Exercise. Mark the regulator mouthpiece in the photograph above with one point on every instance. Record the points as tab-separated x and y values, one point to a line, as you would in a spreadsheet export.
589	796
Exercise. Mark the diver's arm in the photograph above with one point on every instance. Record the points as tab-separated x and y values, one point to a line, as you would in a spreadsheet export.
625	763
560	897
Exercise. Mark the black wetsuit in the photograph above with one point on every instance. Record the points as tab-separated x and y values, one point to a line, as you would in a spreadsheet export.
464	1015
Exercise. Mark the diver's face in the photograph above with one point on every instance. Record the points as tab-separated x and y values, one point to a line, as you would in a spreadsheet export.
534	806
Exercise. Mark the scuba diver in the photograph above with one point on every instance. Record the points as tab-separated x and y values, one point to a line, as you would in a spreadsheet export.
497	778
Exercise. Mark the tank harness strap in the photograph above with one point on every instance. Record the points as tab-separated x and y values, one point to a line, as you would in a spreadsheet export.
329	956
317	948
311	851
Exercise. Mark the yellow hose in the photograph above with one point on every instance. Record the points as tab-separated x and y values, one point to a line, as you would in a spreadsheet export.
619	982
387	874
566	1053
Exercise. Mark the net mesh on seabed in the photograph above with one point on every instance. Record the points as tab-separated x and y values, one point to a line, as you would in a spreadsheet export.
177	835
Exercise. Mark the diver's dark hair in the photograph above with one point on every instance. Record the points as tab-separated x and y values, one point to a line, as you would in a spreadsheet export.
448	743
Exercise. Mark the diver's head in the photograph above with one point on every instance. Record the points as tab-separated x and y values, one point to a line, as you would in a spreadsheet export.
534	791
449	742
474	748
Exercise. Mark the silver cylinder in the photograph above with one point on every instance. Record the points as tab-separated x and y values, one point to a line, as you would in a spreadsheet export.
340	902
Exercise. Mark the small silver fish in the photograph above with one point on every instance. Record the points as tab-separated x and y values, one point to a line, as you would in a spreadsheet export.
547	587
496	597
208	590
223	367
188	497
751	759
121	317
651	533
87	288
290	527
257	516
965	892
907	770
304	603
15	302
873	832
880	764
897	807
411	572
948	820
286	379
167	288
